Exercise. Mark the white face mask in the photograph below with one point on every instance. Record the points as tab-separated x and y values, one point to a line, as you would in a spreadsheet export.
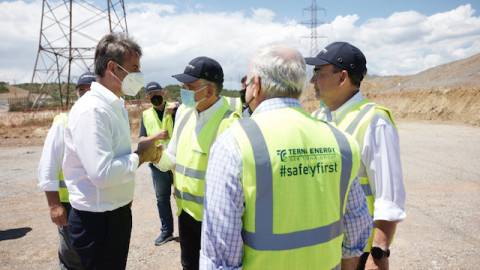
132	83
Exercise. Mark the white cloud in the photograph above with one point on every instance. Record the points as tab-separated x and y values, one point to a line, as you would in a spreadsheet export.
404	43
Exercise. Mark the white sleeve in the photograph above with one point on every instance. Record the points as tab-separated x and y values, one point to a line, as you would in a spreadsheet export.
95	150
381	156
51	160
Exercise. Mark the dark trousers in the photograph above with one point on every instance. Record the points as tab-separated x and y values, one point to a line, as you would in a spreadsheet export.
162	183
68	257
101	239
189	231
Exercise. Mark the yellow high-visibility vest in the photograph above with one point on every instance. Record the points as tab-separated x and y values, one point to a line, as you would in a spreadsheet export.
192	157
355	123
62	188
153	124
235	104
296	184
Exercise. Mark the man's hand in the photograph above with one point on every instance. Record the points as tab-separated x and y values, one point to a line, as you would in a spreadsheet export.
171	109
161	135
58	214
148	152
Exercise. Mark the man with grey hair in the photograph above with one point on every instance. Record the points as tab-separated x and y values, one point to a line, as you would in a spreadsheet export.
281	190
99	166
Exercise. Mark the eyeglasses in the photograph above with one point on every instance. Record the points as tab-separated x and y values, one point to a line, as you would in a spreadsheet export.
192	87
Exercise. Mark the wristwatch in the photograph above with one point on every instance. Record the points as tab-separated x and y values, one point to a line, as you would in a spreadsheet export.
378	253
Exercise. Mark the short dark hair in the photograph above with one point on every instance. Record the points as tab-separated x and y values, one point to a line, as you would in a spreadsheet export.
113	47
354	79
244	79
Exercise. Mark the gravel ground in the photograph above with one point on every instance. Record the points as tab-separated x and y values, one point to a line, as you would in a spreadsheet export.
442	178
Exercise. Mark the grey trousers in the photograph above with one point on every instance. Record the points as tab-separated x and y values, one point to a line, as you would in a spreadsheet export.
69	259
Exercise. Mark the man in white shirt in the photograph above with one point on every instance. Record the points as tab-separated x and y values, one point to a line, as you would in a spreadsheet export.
99	166
50	178
339	69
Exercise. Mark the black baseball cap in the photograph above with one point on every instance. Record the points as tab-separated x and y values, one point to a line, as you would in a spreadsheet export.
343	55
152	87
201	68
86	78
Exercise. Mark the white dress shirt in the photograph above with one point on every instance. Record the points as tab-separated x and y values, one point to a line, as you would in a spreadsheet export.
51	160
380	161
168	159
224	204
99	166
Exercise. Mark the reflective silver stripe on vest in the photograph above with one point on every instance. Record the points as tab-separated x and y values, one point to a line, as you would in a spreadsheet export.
190	172
317	113
225	115
263	238
188	197
182	125
62	184
351	128
233	103
367	190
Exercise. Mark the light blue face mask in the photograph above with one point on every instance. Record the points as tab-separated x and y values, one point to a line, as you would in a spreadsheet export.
188	97
323	105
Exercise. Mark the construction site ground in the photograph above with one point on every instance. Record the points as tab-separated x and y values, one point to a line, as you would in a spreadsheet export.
441	231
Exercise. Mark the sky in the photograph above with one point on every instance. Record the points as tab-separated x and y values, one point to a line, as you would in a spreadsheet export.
397	37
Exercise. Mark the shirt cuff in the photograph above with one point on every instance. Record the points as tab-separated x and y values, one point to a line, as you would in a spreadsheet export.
208	264
348	253
166	163
135	160
51	185
389	211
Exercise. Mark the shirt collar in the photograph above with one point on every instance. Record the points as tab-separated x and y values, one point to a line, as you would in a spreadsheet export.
205	115
276	104
108	96
337	115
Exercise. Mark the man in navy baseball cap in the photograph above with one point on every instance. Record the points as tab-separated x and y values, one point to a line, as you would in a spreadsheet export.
339	69
202	112
201	68
343	55
84	82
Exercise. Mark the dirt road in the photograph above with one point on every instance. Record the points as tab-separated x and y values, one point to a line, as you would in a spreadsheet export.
442	229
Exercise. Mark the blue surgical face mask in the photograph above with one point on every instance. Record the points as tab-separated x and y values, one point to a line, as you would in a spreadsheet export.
188	97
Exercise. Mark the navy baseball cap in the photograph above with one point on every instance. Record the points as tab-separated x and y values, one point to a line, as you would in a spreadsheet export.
86	78
152	87
201	68
343	55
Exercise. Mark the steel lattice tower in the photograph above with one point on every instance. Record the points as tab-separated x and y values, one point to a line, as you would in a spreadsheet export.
69	32
313	23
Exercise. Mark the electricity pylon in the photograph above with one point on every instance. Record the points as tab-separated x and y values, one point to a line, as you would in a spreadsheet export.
69	32
313	23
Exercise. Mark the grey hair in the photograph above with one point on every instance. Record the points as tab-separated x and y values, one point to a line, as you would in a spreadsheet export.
113	47
281	68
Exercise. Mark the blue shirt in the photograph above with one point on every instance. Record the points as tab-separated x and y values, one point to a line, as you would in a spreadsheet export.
222	243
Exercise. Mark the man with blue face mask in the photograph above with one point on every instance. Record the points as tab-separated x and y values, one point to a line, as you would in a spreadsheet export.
204	116
99	167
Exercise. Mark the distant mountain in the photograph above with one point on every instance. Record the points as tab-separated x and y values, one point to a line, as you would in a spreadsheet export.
460	73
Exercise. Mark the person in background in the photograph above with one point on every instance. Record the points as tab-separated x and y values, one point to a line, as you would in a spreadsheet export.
157	125
281	190
196	128
50	178
339	69
246	112
99	166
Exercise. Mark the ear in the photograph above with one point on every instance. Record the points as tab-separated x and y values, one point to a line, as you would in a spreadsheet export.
111	65
258	86
210	91
343	77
